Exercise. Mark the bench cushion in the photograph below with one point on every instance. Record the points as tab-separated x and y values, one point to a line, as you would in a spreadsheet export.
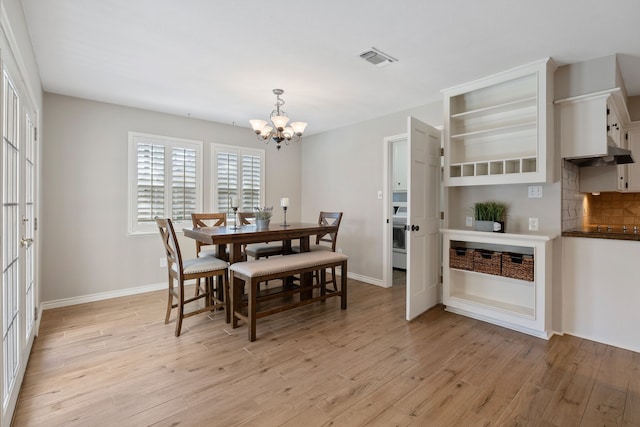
287	263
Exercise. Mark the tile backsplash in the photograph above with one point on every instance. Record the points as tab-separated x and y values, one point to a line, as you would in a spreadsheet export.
614	209
572	199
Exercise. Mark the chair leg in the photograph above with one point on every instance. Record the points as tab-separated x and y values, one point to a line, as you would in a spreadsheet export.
235	299
180	310
226	297
197	287
169	301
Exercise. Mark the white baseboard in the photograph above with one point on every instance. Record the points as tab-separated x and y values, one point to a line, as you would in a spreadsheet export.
101	296
46	305
365	279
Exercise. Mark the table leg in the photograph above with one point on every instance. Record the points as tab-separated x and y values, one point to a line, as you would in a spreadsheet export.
306	279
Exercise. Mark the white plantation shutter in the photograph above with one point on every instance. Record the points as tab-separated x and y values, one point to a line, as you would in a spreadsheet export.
226	180
165	180
251	181
183	183
238	172
150	185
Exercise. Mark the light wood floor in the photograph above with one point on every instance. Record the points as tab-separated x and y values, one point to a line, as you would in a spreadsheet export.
115	363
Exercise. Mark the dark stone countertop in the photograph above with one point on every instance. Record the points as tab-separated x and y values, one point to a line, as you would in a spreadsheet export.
615	233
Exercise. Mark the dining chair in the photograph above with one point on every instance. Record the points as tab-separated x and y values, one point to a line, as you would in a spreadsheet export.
207	220
216	219
326	241
197	268
258	250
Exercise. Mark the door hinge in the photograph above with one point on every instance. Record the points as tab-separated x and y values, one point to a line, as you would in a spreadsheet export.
441	215
35	313
441	152
35	133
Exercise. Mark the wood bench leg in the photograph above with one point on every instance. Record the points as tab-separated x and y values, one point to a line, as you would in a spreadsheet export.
251	310
343	285
323	283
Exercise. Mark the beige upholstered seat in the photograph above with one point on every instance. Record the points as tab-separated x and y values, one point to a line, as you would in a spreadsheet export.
197	268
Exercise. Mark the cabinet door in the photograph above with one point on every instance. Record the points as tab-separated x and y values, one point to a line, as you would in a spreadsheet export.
633	169
613	125
400	166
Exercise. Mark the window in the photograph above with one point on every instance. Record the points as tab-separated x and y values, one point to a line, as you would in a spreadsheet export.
165	176
239	172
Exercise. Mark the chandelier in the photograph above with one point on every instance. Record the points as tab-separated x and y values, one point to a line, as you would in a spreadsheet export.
279	132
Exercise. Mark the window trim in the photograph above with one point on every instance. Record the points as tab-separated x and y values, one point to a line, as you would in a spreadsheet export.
135	228
215	148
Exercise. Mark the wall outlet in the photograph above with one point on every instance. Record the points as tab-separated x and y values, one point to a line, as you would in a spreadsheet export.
163	262
533	224
535	192
339	250
469	221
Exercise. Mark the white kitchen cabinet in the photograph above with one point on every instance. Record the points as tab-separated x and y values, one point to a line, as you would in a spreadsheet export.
633	169
499	130
521	305
589	123
399	172
600	291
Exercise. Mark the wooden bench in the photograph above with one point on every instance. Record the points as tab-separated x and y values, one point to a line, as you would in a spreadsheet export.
252	273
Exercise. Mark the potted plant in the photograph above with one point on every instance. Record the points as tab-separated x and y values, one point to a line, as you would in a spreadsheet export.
263	217
490	216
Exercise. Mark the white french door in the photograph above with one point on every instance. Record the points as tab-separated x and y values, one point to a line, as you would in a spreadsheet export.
19	184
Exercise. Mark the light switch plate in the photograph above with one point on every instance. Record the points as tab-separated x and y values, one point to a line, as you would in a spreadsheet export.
533	224
535	192
379	194
469	221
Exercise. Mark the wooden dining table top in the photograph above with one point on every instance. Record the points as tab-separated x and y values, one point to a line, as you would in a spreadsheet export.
246	234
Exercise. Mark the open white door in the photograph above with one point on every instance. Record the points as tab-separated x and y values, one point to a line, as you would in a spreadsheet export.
423	146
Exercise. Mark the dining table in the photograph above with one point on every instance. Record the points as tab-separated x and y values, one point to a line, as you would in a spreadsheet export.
238	236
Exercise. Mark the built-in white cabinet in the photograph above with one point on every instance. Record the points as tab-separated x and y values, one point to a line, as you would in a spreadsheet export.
499	130
399	172
520	304
633	169
589	123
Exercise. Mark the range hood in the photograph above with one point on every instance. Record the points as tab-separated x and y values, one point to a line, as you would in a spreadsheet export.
615	156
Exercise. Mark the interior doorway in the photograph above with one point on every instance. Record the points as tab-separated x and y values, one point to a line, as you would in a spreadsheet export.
419	186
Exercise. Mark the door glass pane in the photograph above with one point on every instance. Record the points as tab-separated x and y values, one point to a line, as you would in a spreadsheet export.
10	250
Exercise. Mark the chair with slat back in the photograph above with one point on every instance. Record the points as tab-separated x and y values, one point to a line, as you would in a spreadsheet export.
197	268
217	219
327	241
258	250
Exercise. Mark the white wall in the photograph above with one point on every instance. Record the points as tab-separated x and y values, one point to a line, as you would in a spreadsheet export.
342	171
85	247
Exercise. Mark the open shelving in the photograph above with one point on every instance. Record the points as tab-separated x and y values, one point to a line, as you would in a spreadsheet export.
498	130
517	304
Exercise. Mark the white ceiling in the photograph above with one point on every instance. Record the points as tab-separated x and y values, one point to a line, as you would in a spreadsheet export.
219	60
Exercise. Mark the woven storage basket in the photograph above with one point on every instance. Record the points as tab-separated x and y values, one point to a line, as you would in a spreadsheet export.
485	261
461	258
517	266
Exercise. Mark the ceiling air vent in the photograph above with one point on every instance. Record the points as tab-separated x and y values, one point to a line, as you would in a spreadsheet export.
377	58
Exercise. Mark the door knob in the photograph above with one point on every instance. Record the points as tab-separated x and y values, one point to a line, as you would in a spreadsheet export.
24	241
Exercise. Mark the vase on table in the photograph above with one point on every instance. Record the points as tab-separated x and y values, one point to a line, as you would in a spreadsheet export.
262	224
